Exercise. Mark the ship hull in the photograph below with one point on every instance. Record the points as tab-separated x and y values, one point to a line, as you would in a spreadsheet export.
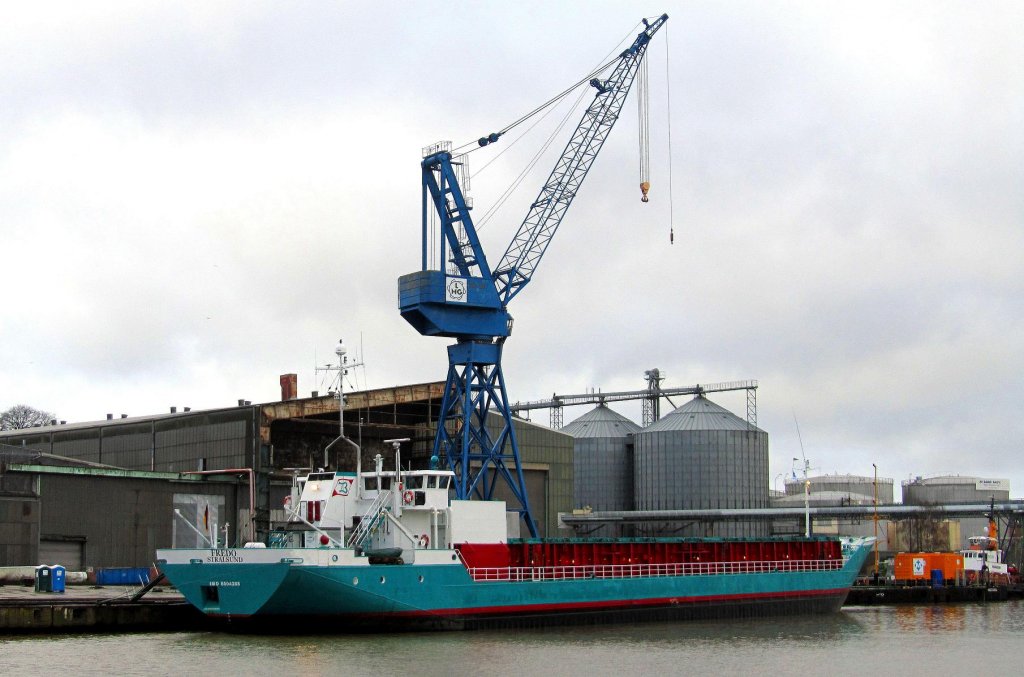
326	588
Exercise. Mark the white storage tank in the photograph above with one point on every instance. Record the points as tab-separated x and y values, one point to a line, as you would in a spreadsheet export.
854	486
951	489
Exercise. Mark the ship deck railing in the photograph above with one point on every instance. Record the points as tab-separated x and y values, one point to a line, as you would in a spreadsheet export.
650	570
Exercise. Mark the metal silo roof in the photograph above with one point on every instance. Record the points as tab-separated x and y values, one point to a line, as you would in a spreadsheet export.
600	422
700	413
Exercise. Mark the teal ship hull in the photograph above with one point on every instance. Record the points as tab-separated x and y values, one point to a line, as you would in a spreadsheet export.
284	589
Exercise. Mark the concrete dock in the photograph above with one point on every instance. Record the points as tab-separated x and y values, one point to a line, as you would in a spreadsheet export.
95	609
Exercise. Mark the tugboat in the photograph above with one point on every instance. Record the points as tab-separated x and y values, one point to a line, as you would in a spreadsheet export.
983	560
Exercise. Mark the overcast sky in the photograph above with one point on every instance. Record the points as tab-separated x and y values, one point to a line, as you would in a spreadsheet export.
198	197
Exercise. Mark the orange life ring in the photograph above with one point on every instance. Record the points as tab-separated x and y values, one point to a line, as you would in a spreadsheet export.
424	541
408	497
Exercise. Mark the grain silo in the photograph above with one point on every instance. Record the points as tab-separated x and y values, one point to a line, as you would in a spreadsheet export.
602	460
702	456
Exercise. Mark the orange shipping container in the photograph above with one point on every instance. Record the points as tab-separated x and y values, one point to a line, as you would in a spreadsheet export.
918	566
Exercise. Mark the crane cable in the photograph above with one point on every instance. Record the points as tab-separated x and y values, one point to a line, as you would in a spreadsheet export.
668	106
516	140
499	203
644	118
494	136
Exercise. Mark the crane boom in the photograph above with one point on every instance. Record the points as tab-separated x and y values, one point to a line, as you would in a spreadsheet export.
546	212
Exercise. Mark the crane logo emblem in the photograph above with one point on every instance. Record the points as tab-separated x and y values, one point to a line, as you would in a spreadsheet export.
455	290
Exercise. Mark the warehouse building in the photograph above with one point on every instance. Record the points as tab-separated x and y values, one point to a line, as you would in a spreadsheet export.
122	479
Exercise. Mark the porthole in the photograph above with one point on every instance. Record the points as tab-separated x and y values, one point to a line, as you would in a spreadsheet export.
334	558
382	579
355	580
421	579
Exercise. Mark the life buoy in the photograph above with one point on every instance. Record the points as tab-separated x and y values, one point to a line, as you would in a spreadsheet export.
424	541
408	497
287	502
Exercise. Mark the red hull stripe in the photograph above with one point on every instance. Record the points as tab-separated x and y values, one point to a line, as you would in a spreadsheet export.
615	604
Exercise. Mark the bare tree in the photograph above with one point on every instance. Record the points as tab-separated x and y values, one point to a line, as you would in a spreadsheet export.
23	416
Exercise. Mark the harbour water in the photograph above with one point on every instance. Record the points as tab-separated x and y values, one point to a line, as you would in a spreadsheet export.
904	640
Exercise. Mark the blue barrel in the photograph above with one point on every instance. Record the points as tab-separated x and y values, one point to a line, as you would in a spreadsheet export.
937	578
58	574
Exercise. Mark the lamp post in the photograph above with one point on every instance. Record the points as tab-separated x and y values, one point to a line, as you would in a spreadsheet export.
876	520
807	497
807	505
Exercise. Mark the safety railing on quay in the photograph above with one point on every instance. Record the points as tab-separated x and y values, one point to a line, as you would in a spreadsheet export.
650	570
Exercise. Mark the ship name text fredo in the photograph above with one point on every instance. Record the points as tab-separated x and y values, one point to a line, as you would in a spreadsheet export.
223	557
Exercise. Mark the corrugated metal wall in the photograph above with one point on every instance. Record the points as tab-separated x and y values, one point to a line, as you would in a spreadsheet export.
546	456
128	446
223	444
212	439
701	469
122	520
80	444
19	531
603	473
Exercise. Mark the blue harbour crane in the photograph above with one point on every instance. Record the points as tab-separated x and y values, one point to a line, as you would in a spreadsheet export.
468	300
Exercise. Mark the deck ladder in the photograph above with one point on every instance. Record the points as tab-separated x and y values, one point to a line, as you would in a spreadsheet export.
370	519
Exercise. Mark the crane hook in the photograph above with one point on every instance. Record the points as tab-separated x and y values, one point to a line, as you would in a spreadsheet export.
644	187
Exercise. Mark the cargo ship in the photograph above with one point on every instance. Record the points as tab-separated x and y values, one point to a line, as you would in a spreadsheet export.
380	550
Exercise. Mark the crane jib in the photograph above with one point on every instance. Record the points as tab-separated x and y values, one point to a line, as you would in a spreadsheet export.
530	242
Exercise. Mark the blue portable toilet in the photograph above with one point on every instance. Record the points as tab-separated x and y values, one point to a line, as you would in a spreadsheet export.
57	578
937	578
44	581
